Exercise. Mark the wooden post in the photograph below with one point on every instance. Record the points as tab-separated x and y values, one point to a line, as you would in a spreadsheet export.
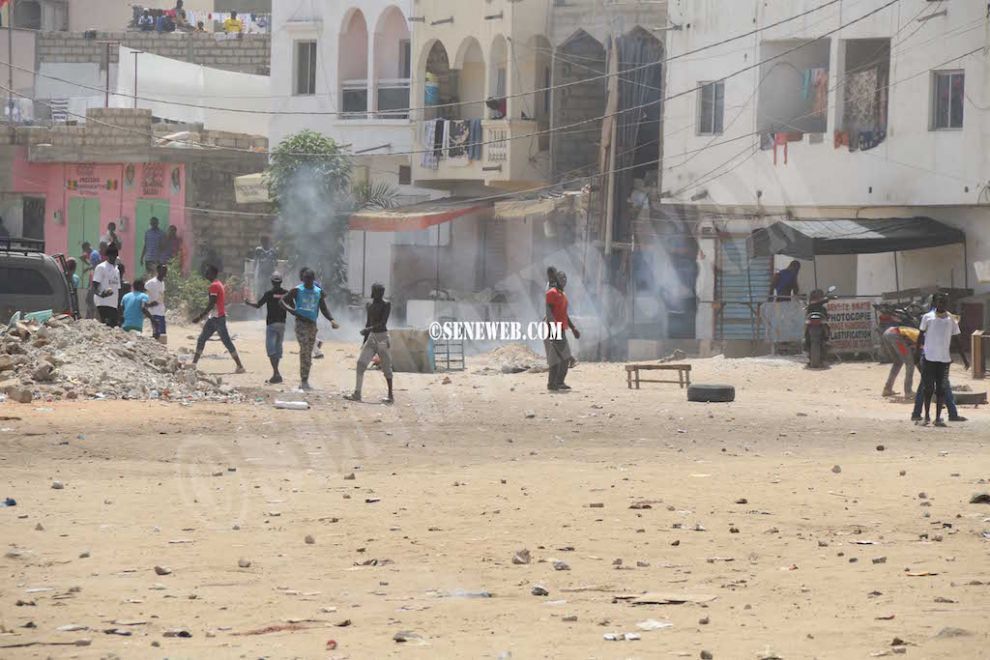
976	354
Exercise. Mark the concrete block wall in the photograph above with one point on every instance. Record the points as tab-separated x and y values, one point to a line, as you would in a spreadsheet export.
249	54
210	186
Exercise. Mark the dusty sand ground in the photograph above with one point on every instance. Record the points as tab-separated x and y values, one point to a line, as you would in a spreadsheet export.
455	478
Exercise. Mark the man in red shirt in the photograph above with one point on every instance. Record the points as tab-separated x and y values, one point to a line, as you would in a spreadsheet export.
217	323
558	350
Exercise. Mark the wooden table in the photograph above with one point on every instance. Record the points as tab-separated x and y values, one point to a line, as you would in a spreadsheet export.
683	374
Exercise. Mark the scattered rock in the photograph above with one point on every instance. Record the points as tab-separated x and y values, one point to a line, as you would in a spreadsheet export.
880	447
539	590
244	563
950	632
980	498
707	655
349	477
742	500
309	539
57	485
836	469
406	636
521	557
163	570
561	566
177	632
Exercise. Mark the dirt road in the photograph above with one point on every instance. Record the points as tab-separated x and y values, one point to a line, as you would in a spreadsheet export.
736	505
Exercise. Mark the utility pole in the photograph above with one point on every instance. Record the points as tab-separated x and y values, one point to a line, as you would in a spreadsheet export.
136	53
10	61
106	93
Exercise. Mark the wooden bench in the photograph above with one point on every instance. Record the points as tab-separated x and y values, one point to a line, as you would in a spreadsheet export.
683	374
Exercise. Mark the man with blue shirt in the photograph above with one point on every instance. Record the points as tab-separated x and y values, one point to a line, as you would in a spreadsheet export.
306	302
135	306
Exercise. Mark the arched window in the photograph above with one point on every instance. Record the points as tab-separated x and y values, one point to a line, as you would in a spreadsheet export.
393	65
352	66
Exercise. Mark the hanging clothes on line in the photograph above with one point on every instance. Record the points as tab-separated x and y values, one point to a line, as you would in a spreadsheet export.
458	140
428	133
476	136
821	91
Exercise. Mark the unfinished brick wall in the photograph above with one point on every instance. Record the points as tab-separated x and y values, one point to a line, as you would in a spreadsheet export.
249	54
576	150
210	185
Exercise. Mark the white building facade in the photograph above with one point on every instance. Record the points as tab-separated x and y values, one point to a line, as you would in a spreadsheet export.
342	69
861	109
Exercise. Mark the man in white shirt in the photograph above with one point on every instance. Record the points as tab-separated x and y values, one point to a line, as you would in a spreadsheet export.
106	288
938	328
155	288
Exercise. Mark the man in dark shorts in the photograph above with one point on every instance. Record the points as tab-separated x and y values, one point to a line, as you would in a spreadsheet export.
376	342
217	323
274	324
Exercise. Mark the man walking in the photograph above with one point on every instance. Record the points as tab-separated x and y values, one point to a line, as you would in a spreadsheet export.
274	324
938	328
106	288
155	287
217	323
558	350
376	342
151	253
306	302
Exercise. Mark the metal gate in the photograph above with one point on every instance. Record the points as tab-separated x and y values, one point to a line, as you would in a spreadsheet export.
741	286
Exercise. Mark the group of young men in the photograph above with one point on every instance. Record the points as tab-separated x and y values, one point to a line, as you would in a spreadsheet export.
929	346
306	302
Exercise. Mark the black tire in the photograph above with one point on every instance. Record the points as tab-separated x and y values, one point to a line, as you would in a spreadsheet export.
815	360
711	393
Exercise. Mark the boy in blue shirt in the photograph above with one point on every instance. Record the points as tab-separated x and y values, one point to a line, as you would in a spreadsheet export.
306	302
135	306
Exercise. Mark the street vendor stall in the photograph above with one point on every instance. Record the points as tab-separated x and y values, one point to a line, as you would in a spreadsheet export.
851	319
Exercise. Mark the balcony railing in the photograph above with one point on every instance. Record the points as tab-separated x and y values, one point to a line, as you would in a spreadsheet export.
354	99
510	152
393	99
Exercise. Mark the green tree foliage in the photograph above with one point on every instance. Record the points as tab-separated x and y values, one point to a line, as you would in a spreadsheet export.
309	180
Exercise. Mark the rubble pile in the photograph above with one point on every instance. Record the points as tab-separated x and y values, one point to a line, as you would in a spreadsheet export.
67	359
514	359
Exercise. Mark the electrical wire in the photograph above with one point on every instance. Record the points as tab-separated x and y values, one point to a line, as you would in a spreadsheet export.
411	110
538	132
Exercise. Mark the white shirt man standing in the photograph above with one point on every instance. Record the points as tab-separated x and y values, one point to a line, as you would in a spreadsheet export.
155	288
106	288
938	328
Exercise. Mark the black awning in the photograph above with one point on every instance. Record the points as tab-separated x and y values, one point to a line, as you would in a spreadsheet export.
804	239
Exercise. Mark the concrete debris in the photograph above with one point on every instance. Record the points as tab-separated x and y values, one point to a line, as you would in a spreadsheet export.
514	359
67	359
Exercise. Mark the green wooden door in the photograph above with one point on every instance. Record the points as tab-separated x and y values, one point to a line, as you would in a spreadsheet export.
84	225
144	211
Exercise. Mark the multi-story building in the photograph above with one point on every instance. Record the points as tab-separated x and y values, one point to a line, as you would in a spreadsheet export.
479	106
854	111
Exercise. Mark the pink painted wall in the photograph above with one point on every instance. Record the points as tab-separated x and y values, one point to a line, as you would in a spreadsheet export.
117	185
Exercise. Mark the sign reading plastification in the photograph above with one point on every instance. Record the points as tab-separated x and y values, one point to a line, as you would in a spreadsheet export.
851	324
